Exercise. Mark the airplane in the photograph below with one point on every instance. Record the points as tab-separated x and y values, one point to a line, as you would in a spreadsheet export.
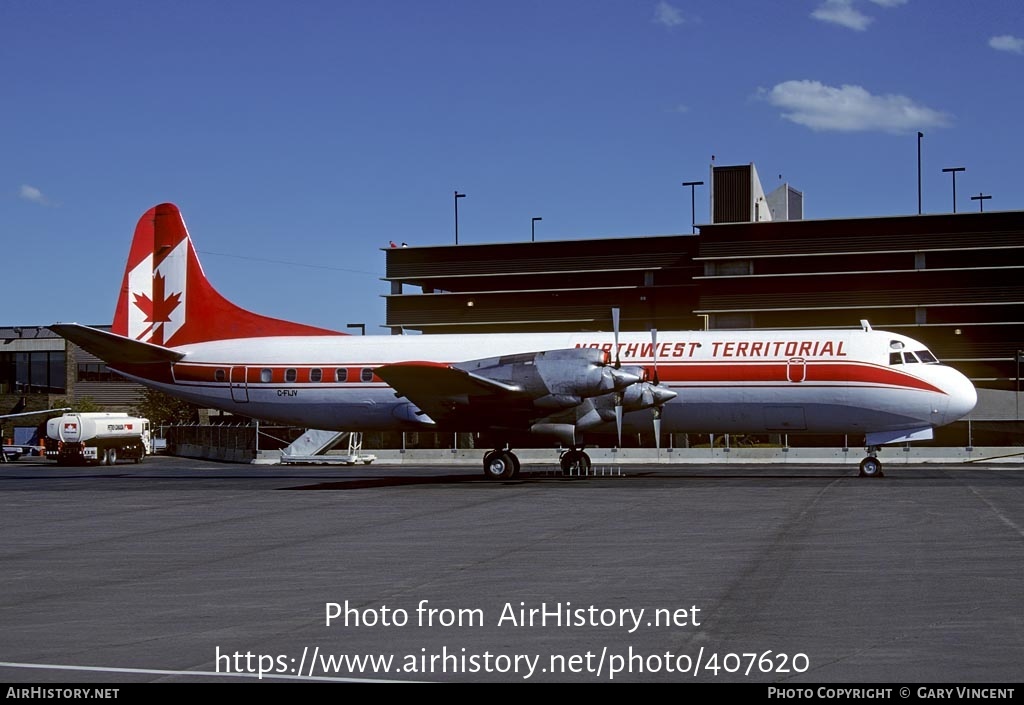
173	331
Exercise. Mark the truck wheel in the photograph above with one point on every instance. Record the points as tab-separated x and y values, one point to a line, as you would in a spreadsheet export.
112	456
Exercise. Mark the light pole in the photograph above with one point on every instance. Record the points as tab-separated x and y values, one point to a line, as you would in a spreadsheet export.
360	326
981	198
457	197
1020	358
953	170
533	232
693	216
919	136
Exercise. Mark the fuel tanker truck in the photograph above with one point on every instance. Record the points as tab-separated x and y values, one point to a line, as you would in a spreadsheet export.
101	437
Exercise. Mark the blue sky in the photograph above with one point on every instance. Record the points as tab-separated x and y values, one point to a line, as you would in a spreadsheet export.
313	133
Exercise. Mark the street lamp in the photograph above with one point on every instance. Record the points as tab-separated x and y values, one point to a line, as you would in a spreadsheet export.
919	136
953	170
1020	358
533	232
981	198
457	197
693	217
360	326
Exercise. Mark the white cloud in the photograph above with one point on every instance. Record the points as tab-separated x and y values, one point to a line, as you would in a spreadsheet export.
668	15
843	13
31	193
1007	42
890	3
851	108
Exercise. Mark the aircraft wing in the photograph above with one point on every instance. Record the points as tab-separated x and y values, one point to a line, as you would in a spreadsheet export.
511	391
453	396
34	413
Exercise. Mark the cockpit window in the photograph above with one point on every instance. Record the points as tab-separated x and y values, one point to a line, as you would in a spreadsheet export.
910	358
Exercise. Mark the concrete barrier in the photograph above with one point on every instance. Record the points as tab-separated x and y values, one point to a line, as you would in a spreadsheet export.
707	456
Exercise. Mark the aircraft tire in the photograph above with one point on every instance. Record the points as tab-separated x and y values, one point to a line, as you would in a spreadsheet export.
574	462
499	465
871	467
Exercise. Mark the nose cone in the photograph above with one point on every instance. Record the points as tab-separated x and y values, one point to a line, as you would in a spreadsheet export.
963	397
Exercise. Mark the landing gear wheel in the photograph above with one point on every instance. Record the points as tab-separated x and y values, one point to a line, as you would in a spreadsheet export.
500	465
574	462
871	467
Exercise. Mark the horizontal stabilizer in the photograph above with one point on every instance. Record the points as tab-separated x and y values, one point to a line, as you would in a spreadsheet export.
115	350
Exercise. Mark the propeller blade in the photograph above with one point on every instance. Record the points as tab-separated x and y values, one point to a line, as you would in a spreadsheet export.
615	330
654	353
618	418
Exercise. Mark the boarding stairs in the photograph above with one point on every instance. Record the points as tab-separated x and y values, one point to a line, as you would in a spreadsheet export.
314	445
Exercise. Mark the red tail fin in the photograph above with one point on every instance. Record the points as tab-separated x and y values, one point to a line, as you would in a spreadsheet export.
166	299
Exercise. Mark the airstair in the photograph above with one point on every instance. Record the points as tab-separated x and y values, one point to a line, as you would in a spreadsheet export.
314	444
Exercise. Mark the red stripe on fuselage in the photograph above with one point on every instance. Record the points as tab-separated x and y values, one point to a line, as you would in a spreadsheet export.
681	373
832	372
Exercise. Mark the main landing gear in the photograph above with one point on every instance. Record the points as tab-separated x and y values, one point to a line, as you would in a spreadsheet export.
574	462
501	464
871	466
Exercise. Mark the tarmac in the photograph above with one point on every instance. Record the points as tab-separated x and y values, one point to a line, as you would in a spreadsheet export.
186	570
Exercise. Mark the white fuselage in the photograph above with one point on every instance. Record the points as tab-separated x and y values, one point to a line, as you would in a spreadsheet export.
835	381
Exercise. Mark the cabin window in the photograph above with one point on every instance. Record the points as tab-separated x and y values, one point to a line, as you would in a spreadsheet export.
366	374
926	356
291	374
341	374
219	376
266	376
895	359
316	374
909	358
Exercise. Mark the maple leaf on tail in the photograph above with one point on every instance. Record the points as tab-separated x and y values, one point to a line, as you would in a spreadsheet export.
158	309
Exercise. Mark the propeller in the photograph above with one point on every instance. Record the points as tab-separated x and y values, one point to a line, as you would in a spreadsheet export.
657	427
618	416
656	409
618	364
615	331
654	353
